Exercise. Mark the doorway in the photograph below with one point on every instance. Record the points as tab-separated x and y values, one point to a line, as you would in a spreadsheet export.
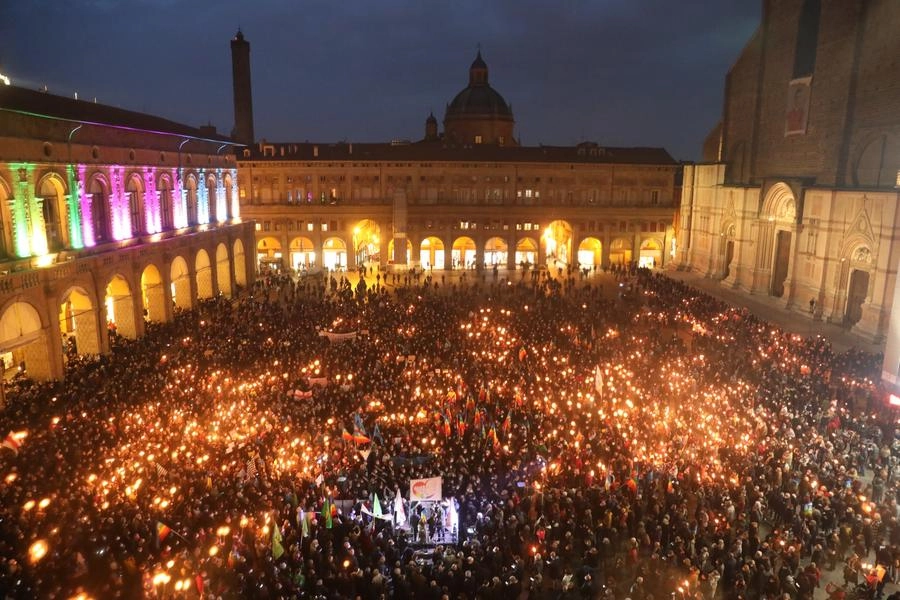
782	259
856	296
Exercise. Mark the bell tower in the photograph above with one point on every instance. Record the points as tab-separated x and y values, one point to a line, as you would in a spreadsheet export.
243	99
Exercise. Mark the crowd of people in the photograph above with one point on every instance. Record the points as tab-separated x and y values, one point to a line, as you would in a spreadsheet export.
654	444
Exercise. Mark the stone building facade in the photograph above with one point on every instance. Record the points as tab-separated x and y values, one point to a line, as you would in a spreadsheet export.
467	197
108	219
797	197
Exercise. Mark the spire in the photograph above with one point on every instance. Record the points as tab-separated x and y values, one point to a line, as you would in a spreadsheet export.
478	72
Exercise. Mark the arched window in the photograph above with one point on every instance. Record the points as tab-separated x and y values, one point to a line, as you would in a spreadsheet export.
191	200
228	192
53	223
211	195
165	203
135	206
807	39
99	211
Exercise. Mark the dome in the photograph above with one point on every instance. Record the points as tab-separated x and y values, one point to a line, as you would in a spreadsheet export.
482	100
479	114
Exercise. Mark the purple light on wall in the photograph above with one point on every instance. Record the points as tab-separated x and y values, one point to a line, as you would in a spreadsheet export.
87	216
121	219
152	214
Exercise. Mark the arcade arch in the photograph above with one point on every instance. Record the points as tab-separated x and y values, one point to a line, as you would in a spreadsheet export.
398	258
240	265
431	253
526	252
620	251
367	242
463	253
23	339
78	322
650	253
496	252
180	278
590	253
334	254
557	240
223	270
120	307
203	271
303	253
153	294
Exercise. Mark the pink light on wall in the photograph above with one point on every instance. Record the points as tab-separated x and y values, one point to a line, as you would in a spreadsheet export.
118	200
179	209
152	214
87	220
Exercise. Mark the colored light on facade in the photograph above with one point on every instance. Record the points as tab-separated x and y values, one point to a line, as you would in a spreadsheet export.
111	186
73	204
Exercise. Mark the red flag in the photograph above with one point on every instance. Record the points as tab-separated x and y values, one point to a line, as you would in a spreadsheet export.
345	435
522	354
361	439
199	580
162	531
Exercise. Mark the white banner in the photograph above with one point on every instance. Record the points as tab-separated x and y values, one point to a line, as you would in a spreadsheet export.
338	337
424	489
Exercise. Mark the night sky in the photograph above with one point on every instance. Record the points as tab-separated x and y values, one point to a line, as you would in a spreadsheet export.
618	72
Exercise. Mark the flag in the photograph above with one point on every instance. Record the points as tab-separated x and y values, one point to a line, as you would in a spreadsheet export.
376	507
522	354
199	581
461	427
358	428
209	484
345	435
161	470
277	548
376	434
304	524
507	423
326	512
399	515
162	532
598	380
361	439
251	468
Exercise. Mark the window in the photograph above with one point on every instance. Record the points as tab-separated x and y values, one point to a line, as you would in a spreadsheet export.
134	208
654	197
165	204
477	139
267	226
807	39
500	140
310	226
324	226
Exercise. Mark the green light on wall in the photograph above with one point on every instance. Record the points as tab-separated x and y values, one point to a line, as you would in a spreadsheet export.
74	209
20	210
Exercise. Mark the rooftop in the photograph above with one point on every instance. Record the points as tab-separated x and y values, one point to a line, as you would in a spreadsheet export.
587	153
43	104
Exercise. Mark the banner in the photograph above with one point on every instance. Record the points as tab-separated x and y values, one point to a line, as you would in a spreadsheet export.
425	489
797	111
338	337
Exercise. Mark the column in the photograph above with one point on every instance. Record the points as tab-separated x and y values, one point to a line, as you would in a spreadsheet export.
399	229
